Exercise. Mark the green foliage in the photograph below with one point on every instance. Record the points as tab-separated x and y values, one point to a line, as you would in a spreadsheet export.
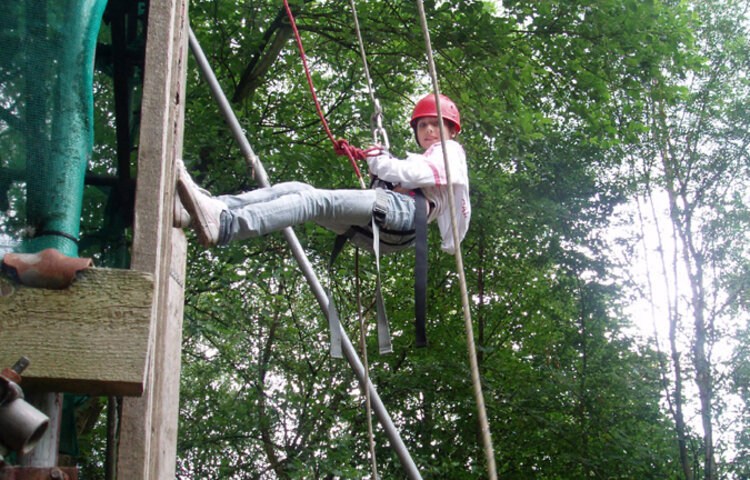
570	108
550	94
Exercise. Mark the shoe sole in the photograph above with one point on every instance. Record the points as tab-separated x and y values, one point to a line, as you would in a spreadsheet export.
181	217
197	215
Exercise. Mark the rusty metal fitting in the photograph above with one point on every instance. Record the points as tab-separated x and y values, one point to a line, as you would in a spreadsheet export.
9	390
21	365
39	473
57	474
46	269
9	380
13	374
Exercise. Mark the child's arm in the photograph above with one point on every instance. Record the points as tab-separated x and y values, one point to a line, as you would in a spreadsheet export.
407	173
426	170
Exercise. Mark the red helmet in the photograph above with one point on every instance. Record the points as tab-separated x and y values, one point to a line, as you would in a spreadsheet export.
426	108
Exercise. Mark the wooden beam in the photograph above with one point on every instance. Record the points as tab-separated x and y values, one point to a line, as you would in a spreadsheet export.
90	338
148	434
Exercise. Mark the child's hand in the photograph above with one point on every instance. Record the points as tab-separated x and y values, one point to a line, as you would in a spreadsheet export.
374	150
376	156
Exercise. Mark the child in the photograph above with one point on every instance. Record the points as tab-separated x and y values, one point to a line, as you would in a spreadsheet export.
220	220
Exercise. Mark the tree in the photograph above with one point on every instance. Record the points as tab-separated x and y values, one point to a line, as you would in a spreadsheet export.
695	151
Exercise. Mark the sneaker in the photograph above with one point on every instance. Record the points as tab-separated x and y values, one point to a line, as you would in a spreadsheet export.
204	210
180	216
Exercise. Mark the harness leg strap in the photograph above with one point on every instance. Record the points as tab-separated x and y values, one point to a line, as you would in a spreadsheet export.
384	332
334	325
420	270
334	322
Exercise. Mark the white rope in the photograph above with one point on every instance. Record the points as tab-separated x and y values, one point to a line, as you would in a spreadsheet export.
476	380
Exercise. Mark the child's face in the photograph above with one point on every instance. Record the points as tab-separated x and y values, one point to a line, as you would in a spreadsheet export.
428	132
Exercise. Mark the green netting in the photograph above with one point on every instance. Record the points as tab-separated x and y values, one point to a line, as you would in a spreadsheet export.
46	115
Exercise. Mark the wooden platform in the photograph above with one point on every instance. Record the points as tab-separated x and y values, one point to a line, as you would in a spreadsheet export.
91	338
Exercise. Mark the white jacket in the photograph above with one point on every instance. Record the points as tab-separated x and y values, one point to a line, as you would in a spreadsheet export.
427	171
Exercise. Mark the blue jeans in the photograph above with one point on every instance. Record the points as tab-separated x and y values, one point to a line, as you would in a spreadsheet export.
265	210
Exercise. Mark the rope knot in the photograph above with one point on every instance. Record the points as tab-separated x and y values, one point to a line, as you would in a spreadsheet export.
342	147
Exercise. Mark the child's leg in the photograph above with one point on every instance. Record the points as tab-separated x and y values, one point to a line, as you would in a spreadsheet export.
334	209
238	201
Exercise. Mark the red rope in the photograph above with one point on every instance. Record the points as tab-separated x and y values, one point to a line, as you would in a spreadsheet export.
341	147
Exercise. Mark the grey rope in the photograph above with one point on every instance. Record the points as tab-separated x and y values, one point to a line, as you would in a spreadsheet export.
363	348
476	381
376	121
362	323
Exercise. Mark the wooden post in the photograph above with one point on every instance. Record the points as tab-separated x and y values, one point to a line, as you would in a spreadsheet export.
148	432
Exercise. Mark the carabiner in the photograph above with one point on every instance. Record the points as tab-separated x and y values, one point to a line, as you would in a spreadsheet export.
379	135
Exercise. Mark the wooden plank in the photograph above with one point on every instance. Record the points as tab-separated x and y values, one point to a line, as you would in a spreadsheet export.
148	432
91	338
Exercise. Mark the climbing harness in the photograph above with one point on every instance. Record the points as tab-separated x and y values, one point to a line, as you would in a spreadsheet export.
476	381
380	137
